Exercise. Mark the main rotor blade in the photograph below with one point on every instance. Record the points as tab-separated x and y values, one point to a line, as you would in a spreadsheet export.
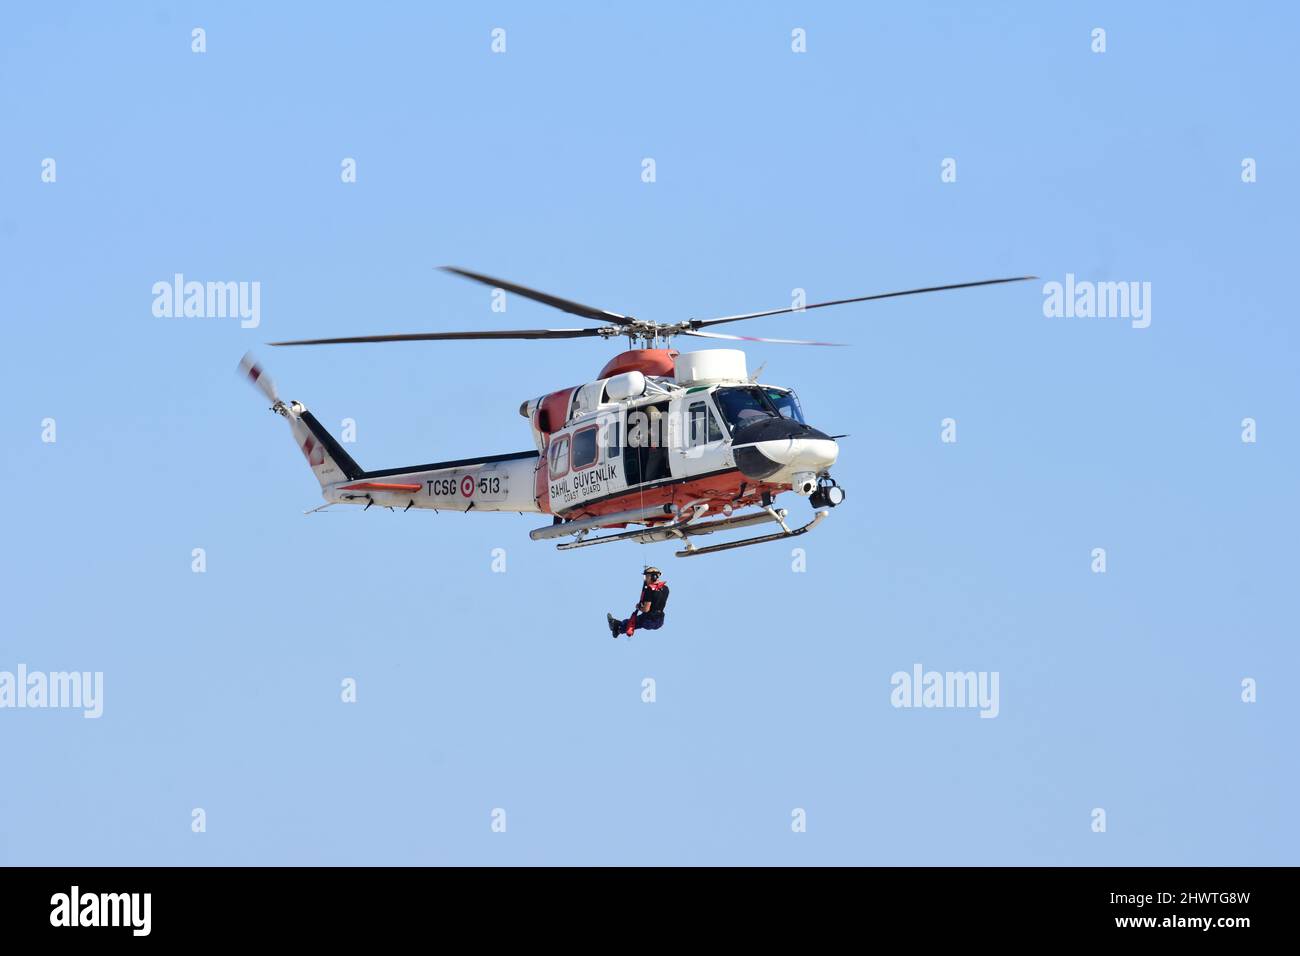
554	301
452	336
751	338
702	323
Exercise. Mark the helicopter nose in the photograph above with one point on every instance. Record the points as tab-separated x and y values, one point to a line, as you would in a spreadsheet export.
777	447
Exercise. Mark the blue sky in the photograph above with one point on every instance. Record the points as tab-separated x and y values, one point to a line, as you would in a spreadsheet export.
775	170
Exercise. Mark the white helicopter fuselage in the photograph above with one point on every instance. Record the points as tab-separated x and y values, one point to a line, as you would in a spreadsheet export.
627	440
680	454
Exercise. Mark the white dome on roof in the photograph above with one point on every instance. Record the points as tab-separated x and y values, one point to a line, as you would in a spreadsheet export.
708	366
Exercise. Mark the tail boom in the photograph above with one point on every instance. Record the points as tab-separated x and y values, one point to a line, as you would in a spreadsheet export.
492	483
487	483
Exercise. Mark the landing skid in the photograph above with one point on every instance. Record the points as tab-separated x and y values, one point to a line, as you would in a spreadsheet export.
684	531
691	551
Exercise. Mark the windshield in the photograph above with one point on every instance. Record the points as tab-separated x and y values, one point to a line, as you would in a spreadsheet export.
785	403
740	406
744	404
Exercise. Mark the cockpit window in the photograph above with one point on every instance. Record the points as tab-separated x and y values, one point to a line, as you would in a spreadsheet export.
786	403
750	403
740	406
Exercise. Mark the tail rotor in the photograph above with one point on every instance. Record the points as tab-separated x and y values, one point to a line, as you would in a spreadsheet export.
252	370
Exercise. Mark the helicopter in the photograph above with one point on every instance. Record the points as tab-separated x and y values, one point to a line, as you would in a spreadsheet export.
661	446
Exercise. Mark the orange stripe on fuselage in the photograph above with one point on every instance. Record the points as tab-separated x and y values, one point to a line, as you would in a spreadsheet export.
379	486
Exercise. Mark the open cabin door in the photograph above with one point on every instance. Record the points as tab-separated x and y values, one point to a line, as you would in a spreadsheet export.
645	451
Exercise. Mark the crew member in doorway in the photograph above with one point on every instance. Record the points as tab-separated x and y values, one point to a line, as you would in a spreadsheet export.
649	613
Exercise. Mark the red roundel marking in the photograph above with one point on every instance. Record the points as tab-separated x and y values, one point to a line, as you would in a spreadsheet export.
467	486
